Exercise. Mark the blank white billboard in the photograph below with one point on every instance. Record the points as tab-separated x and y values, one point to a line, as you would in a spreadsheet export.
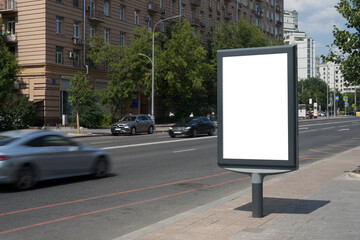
255	107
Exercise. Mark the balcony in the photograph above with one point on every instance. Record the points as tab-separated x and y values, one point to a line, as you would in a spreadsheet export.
259	14
153	7
8	6
96	16
278	23
278	9
195	2
228	16
8	37
195	22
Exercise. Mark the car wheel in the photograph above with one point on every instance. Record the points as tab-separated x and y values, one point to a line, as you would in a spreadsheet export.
101	168
211	132
172	136
133	131
26	178
115	134
151	130
194	133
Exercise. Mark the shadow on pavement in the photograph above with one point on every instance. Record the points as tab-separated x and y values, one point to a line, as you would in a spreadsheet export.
287	206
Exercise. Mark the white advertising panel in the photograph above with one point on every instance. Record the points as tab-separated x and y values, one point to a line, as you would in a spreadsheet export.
248	132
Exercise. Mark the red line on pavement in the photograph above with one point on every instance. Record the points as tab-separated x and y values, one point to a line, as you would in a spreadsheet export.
117	207
112	194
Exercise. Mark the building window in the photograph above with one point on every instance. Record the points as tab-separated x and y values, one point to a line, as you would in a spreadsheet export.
161	4
10	25
59	55
150	24
106	7
59	1
209	3
137	18
122	12
209	21
76	29
58	24
106	65
106	35
173	6
92	31
183	10
76	3
76	61
162	28
122	39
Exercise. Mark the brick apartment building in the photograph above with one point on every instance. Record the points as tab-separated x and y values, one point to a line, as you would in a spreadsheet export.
51	37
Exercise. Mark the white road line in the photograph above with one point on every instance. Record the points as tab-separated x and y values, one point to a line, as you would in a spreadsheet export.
344	129
321	124
304	128
308	131
327	128
185	150
156	143
344	126
99	142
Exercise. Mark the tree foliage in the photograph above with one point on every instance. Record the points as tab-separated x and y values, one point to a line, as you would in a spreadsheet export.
181	70
127	69
238	35
313	88
16	111
80	94
347	42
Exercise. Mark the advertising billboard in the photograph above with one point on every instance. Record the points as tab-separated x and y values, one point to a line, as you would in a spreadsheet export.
257	108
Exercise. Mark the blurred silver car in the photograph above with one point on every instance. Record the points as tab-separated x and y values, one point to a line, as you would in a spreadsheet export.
132	124
28	156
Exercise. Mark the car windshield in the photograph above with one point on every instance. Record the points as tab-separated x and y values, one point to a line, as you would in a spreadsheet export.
189	120
6	140
128	119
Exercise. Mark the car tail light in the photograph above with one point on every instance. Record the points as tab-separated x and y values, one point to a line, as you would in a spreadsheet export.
2	157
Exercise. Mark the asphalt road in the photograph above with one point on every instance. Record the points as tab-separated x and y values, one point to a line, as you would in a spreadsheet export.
153	177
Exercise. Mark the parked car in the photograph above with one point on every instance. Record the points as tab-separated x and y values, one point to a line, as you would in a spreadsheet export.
193	126
28	156
322	114
132	124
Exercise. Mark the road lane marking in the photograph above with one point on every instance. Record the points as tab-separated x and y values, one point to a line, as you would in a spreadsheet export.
304	128
308	131
113	194
118	207
99	142
344	129
327	128
344	126
156	143
320	124
185	150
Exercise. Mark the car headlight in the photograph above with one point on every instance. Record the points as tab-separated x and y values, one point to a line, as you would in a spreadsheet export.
188	128
170	128
126	126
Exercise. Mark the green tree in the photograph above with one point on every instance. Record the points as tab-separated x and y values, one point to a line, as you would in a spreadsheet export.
238	35
181	70
347	42
15	110
128	71
80	94
313	88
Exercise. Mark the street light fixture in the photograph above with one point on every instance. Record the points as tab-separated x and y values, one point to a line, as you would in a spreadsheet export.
153	61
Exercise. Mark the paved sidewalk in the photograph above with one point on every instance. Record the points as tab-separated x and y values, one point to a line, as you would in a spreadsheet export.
319	201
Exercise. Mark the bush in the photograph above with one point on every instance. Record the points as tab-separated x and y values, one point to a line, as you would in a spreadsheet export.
106	120
90	116
16	112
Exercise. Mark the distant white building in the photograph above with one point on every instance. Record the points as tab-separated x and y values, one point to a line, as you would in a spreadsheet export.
306	54
331	74
290	21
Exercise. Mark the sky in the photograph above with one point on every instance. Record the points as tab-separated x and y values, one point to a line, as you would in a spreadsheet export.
316	19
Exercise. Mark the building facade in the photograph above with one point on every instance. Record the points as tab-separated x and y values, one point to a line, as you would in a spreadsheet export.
50	38
291	21
331	74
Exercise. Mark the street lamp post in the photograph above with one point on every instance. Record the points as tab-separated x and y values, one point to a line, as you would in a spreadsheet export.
153	62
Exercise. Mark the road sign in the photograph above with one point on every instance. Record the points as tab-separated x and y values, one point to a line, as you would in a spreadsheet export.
345	98
337	98
310	101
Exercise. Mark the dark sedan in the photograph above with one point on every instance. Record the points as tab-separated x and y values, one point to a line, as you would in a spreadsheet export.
193	127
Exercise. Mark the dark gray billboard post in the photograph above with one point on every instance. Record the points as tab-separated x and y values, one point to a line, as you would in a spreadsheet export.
257	114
